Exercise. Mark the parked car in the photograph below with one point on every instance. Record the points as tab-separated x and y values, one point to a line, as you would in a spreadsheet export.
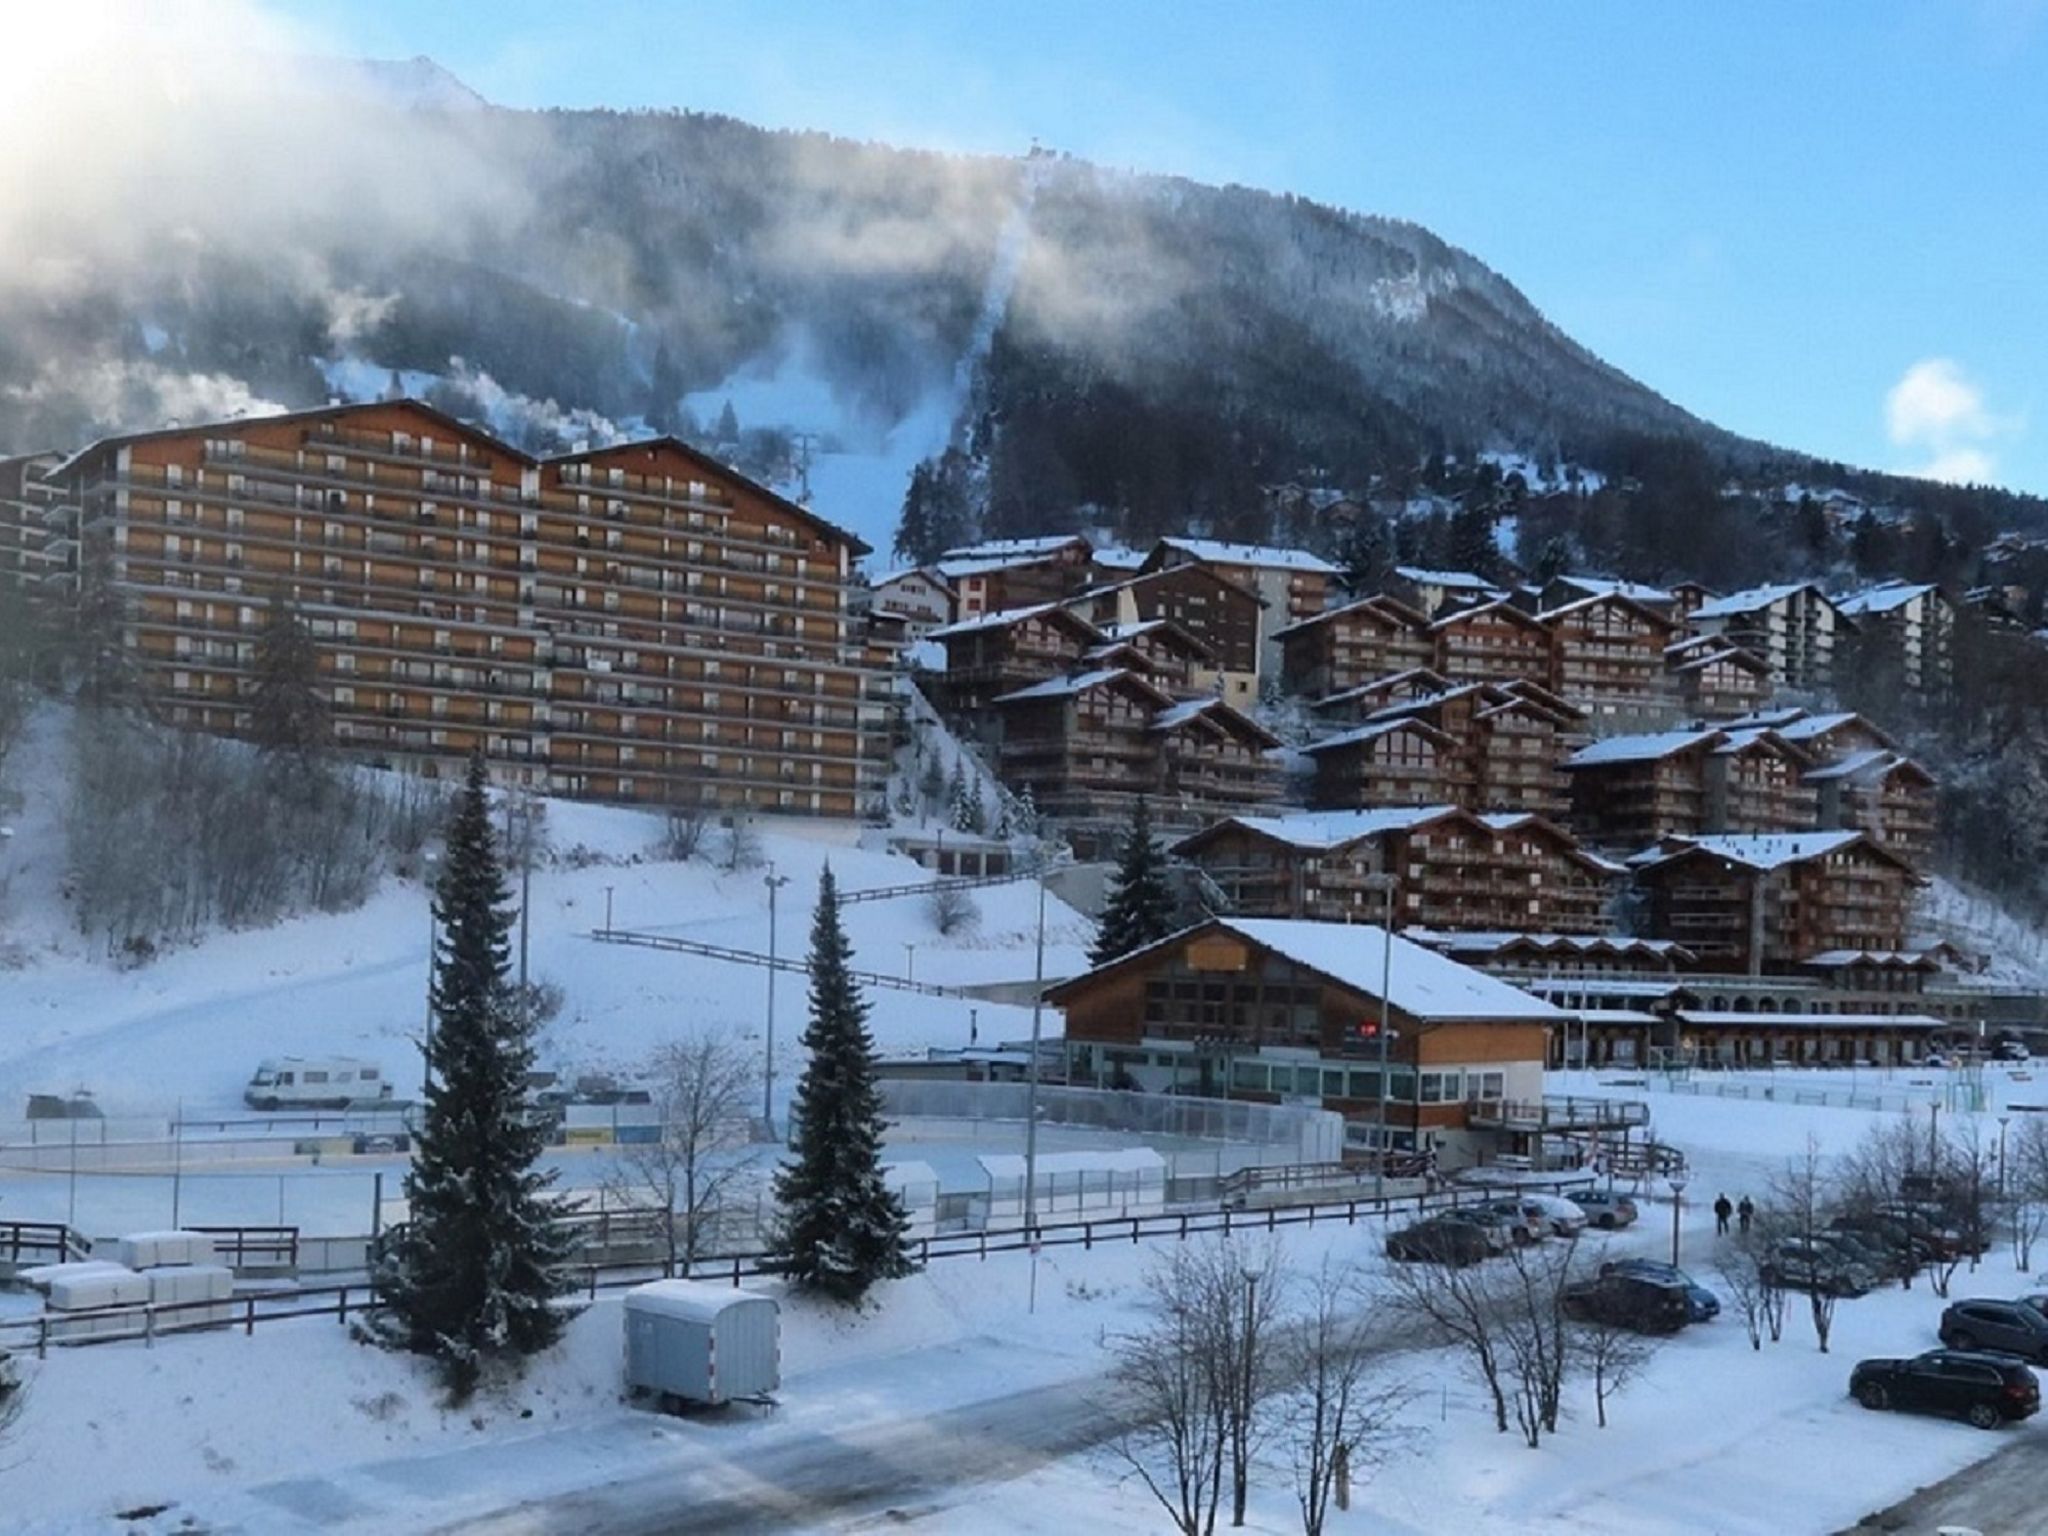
1635	1302
2010	1327
1705	1305
1859	1250
2011	1048
1797	1266
2038	1300
1554	1213
1499	1236
1893	1233
1606	1208
1456	1243
1988	1390
1523	1223
1931	1224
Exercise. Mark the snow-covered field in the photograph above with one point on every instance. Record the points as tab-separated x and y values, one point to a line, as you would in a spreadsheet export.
192	1025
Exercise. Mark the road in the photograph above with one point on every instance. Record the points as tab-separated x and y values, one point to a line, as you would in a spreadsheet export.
838	1452
2001	1495
812	1480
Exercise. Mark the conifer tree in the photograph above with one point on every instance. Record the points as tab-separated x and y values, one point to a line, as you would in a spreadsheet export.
1141	907
471	1279
842	1229
287	716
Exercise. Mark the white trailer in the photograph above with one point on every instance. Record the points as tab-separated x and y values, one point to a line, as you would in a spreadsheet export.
692	1341
315	1082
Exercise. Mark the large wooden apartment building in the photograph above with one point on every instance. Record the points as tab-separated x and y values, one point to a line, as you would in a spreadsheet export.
37	552
1343	648
1498	873
1768	903
1483	746
636	622
1608	659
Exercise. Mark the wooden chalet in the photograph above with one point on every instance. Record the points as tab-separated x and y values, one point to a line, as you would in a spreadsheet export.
1882	793
997	653
1383	762
1453	870
1607	657
1628	791
1755	782
1491	641
1766	903
1711	676
1354	706
1220	614
1014	573
1280	1010
1344	648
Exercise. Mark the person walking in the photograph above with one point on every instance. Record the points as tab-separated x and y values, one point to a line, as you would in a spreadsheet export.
1723	1209
1745	1213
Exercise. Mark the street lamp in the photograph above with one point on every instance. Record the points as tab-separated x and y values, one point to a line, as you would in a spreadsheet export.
1248	1386
1678	1182
433	942
608	909
1386	885
910	962
774	882
2001	1154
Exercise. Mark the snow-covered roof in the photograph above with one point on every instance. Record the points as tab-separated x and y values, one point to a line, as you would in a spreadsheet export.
1557	943
1614	586
1760	850
1752	599
691	1301
1382	684
1701	1017
1002	618
889	578
1060	687
1594	599
1871	760
1834	959
1381	603
1335	829
1038	544
1457	581
1639	749
1372	730
1493	605
1806	727
1741	741
1888	598
1116	558
1177	715
1217	552
1420	982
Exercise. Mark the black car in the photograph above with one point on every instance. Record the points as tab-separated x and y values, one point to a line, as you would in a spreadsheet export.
1635	1302
1893	1233
2009	1327
1704	1304
1456	1243
1987	1390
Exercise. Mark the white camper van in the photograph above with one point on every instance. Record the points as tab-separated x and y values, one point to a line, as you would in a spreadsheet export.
315	1082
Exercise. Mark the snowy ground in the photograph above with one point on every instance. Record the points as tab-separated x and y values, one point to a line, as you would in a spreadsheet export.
1714	1438
192	1025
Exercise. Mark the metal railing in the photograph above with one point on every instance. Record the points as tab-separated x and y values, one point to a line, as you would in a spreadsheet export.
105	1325
674	945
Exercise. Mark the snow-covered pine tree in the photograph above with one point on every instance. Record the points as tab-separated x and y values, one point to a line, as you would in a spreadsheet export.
1141	908
1026	822
287	716
973	815
471	1279
841	1229
957	813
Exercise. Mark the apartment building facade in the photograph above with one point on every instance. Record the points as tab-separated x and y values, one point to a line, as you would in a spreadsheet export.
1766	904
1291	584
1794	626
635	623
1608	659
1918	620
35	548
1336	651
1222	615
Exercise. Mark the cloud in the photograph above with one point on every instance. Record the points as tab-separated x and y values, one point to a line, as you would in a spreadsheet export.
1938	413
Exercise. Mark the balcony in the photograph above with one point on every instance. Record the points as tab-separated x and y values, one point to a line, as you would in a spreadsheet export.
1553	1113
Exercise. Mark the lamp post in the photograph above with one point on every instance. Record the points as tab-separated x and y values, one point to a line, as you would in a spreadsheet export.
2001	1154
774	882
433	942
1385	884
910	962
1031	1092
1678	1182
608	909
1247	1386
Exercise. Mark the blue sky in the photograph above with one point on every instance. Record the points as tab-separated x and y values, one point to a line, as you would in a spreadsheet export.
1824	225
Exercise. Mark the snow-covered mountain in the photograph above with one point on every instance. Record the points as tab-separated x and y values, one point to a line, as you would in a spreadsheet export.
1128	350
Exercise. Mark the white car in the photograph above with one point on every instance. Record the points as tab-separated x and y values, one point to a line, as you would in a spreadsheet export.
1563	1217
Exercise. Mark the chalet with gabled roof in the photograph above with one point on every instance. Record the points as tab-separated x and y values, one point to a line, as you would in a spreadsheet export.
1338	650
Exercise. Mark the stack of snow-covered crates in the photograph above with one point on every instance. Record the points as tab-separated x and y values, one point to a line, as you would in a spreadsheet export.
157	1282
182	1274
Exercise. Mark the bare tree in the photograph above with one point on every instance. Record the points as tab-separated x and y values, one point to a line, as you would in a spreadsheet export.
702	1087
1459	1306
1739	1270
13	1395
951	908
2026	1186
1535	1334
1802	1197
1176	1436
1614	1356
684	829
1968	1181
1256	1273
1337	1417
1872	1179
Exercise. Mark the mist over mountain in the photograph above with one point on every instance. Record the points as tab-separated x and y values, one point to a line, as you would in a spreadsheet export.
1111	350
